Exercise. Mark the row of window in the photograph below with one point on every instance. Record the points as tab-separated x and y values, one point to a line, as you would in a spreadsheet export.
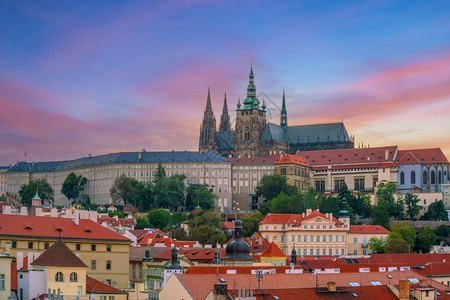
94	265
358	184
59	277
323	252
275	227
424	177
312	238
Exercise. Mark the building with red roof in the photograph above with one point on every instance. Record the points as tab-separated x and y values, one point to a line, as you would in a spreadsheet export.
296	169
359	168
422	169
120	225
98	247
273	256
316	234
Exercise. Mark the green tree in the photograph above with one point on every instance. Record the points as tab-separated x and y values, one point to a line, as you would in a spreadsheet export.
121	190
27	191
175	191
361	205
143	196
73	185
406	231
412	208
436	212
205	228
142	223
272	185
381	214
159	218
204	197
250	223
386	191
160	172
442	232
180	234
426	239
396	244
377	245
330	204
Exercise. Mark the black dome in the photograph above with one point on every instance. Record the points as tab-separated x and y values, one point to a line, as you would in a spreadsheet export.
237	248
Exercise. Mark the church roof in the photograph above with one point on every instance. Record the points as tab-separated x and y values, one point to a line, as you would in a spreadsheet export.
317	133
120	157
59	255
423	156
225	140
273	132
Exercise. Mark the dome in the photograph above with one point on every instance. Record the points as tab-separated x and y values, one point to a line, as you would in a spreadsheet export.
238	248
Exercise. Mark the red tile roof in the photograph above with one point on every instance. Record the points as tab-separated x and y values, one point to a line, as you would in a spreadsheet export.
270	159
48	227
436	269
127	223
169	242
349	156
316	213
293	159
424	156
281	219
409	259
228	225
368	229
205	255
96	287
236	269
59	255
273	251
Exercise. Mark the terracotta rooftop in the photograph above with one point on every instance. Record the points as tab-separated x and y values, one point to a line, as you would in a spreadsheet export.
48	227
192	254
96	287
410	259
138	253
423	156
368	229
273	251
114	222
349	156
293	159
295	219
236	269
59	255
436	269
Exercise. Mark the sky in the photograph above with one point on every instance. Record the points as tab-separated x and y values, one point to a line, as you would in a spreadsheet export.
95	77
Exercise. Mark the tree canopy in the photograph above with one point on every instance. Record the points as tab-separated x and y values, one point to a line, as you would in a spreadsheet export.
122	190
45	191
412	208
436	212
396	244
158	218
272	185
73	185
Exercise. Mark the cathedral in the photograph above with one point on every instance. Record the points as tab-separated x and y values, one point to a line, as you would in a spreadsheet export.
253	136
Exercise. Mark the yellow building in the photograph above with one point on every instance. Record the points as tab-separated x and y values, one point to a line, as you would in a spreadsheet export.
3	185
273	256
296	169
5	276
105	252
316	234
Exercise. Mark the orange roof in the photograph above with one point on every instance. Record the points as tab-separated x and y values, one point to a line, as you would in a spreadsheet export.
228	225
192	254
316	213
281	219
423	156
114	222
349	156
96	287
59	255
436	269
270	159
273	251
48	227
410	259
293	159
368	229
235	269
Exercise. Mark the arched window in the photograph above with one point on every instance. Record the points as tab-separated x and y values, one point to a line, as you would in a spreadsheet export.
433	177
424	179
402	177
413	177
439	176
59	277
73	277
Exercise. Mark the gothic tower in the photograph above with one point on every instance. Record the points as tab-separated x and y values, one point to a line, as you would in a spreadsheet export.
283	121
208	140
225	124
250	122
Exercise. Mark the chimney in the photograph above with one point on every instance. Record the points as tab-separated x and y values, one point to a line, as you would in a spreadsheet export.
139	155
116	217
23	211
423	282
19	260
331	286
7	210
221	289
30	259
76	217
54	213
308	211
38	211
403	289
8	248
93	216
386	154
330	216
303	215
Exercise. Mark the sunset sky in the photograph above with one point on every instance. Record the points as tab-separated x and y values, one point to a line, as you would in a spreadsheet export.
94	77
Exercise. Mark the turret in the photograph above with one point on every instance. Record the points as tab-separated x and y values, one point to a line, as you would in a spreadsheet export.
225	124
283	118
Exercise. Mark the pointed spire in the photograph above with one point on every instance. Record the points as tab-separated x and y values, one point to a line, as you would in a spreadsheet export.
225	124
225	105
239	103
283	115
208	101
36	197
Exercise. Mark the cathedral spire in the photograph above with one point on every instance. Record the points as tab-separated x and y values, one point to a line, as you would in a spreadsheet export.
225	124
208	101
283	121
251	102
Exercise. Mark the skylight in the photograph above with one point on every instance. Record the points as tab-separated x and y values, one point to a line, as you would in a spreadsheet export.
389	276
413	280
375	283
222	280
353	283
355	295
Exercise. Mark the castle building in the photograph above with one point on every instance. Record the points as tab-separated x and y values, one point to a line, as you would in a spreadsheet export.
253	136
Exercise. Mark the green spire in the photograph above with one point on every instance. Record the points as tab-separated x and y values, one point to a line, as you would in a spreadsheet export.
251	102
344	212
239	103
283	116
36	197
198	206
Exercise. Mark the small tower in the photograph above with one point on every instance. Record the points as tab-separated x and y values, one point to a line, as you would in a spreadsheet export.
238	251
36	201
225	124
294	256
217	260
344	215
174	267
283	118
208	128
